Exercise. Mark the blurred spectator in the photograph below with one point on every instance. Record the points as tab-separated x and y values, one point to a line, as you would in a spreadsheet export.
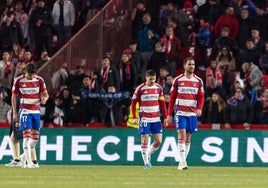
167	87
137	22
86	104
20	69
10	32
215	11
252	74
147	37
16	53
263	60
74	111
127	72
224	40
167	13
88	11
59	78
41	21
43	59
161	79
261	108
204	41
136	58
229	20
261	21
158	59
172	47
66	97
6	70
257	39
29	5
186	22
58	114
111	83
246	23
213	71
238	110
214	87
213	109
27	57
250	54
227	66
63	15
75	79
23	19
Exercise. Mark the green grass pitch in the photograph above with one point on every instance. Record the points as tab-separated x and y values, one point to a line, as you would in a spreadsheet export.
61	176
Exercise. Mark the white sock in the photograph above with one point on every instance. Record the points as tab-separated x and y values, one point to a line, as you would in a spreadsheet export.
152	149
181	148
33	152
144	154
27	150
187	149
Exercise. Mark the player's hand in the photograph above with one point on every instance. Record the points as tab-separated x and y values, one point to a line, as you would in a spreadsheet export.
15	117
43	100
136	121
169	120
166	123
198	113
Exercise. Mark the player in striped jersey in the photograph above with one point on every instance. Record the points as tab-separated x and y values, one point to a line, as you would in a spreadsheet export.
186	101
150	97
31	90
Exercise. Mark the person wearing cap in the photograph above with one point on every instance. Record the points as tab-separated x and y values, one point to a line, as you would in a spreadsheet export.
186	21
28	112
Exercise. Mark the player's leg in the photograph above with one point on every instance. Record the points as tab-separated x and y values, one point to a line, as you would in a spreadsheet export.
15	147
35	138
156	130
187	144
180	122
144	131
26	126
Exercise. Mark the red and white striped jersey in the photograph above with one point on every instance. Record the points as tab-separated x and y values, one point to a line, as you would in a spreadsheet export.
29	92
150	98
186	95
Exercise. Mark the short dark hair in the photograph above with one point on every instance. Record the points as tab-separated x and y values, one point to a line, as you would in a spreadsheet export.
30	68
150	72
187	59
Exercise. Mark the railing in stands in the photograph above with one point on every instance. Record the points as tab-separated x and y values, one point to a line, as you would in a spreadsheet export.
108	31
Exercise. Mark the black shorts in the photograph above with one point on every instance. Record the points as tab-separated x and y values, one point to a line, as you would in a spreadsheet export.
17	133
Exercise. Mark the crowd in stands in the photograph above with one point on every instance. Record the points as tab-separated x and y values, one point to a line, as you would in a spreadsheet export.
227	38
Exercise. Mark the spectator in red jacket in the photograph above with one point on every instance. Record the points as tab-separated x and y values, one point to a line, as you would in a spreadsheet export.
228	20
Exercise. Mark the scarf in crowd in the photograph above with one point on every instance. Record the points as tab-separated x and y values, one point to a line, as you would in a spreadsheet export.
233	101
104	73
125	72
7	69
92	83
167	41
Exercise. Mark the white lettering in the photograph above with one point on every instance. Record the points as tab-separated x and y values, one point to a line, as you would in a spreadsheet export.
101	148
234	150
252	145
76	148
57	147
132	148
209	146
169	149
3	148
